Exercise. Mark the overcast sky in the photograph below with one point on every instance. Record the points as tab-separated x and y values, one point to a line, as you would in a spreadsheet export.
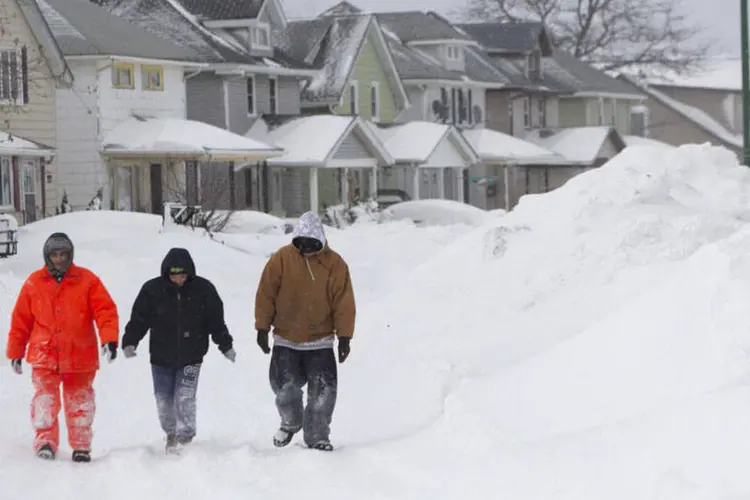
719	17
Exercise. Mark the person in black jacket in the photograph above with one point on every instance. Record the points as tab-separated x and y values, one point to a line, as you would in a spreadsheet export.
181	309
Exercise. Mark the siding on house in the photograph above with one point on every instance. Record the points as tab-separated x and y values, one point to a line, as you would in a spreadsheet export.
351	148
723	106
205	99
369	68
37	119
592	111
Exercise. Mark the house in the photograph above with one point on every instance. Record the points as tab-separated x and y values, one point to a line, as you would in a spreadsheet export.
115	123
328	160
356	72
430	160
31	69
702	107
244	75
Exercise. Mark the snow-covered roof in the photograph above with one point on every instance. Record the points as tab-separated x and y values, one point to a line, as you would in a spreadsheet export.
415	142
698	117
493	146
312	141
580	145
184	139
636	140
723	73
13	145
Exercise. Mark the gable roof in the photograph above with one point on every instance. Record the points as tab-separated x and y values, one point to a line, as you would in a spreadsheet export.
579	145
587	79
493	146
224	9
416	26
312	141
415	65
341	9
51	50
168	20
694	115
83	29
506	37
415	142
332	45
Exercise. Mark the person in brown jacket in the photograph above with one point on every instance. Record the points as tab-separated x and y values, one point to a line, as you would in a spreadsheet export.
305	293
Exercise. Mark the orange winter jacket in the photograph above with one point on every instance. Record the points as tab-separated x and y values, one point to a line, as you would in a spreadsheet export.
56	321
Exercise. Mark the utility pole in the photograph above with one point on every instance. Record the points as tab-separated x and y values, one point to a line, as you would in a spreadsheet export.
745	84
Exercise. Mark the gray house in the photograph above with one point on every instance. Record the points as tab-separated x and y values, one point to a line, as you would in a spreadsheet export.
245	76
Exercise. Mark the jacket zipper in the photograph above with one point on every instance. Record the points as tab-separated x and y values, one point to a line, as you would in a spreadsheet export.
179	326
309	269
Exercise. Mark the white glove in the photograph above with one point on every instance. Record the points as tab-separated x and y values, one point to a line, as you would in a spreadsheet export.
231	355
16	365
129	351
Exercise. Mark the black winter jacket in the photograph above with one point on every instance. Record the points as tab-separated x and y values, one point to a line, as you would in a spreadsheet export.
180	318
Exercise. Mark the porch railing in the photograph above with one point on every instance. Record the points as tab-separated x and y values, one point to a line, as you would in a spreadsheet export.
8	237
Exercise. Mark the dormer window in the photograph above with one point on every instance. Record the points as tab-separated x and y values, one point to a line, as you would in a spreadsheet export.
534	65
453	53
260	36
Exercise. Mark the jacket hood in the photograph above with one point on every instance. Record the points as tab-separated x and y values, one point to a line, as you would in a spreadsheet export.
57	242
178	258
309	226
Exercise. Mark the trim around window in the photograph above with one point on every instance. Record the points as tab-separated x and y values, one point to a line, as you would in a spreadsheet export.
251	96
152	77
375	101
123	75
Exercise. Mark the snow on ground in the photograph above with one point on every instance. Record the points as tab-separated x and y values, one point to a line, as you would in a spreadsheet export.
437	213
593	343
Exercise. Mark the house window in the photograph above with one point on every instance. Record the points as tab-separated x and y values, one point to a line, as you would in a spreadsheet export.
261	36
353	99
542	105
453	53
613	117
600	112
250	84
6	181
470	106
273	95
526	112
444	103
462	116
14	77
511	116
534	64
454	103
152	77
122	76
375	101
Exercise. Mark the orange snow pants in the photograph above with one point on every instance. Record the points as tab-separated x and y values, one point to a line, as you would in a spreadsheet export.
78	400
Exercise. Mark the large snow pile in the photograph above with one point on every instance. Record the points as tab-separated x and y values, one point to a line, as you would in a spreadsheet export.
591	344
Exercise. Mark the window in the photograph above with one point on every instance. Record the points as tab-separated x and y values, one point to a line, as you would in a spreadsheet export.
511	116
250	84
454	103
600	112
152	77
260	36
444	103
273	95
542	105
6	182
353	98
470	106
534	65
14	77
462	115
526	112
122	76
613	117
453	53
375	101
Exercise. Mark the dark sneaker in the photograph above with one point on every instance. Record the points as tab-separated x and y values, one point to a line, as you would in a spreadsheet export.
322	446
283	437
81	456
45	452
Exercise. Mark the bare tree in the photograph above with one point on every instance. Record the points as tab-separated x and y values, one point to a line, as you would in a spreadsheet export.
23	67
615	35
213	194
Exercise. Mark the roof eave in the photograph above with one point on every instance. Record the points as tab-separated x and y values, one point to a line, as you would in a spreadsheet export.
146	60
230	69
605	95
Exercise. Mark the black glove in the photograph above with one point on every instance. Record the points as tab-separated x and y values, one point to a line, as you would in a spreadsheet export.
109	351
16	365
263	341
344	348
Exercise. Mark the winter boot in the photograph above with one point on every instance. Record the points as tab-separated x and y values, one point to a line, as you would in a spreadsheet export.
322	446
283	437
45	453
82	456
171	447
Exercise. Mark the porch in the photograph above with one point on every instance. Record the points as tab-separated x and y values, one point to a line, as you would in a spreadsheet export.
430	160
153	161
328	161
23	175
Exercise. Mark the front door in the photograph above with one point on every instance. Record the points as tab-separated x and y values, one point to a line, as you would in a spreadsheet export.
28	190
157	193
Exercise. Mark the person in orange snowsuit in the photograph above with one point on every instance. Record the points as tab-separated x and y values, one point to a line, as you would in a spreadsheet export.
54	317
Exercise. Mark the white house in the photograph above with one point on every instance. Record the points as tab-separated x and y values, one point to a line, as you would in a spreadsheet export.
128	83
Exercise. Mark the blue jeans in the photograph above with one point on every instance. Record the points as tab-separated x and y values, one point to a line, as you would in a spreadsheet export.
175	390
289	372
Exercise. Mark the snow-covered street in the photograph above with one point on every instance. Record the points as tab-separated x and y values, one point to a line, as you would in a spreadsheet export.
594	343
